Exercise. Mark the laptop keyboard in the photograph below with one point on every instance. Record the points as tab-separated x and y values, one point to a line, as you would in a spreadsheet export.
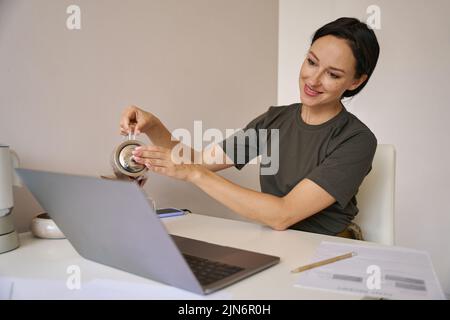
209	271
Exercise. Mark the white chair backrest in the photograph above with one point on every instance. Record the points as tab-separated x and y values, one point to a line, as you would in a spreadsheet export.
376	197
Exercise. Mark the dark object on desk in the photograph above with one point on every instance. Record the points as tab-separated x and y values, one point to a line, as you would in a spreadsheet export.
170	212
138	243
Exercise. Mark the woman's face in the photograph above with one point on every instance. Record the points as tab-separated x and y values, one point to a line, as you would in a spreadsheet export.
327	72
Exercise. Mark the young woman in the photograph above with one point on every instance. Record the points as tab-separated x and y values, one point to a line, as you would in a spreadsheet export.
324	151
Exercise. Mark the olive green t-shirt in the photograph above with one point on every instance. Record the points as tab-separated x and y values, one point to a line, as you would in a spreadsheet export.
336	155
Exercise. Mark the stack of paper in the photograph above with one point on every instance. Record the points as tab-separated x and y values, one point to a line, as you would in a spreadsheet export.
375	271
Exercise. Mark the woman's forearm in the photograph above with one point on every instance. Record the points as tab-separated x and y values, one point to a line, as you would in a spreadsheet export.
262	207
160	135
304	200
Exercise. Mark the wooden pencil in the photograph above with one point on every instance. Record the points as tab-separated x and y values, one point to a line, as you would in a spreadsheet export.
323	262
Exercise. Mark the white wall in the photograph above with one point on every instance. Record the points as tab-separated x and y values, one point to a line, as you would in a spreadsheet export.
406	103
62	92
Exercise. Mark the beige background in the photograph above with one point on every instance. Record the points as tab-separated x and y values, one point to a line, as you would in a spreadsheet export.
62	92
406	103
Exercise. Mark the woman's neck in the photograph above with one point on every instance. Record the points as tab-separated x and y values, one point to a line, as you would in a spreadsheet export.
320	114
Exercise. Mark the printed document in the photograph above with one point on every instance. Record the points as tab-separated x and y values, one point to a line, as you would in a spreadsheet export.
375	271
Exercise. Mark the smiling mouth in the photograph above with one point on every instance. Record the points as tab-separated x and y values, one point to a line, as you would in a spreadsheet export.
311	92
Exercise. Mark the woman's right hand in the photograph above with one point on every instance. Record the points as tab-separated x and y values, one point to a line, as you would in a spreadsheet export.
134	117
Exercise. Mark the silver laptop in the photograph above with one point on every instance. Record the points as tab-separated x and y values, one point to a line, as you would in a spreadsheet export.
112	222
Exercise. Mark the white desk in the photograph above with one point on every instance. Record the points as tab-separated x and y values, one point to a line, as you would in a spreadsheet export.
38	268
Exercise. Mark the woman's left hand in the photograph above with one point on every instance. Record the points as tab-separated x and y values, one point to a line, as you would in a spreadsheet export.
159	160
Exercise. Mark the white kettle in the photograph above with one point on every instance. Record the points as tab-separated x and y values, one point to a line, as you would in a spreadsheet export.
8	235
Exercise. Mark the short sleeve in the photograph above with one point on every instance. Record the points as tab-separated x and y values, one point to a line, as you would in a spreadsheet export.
342	172
244	145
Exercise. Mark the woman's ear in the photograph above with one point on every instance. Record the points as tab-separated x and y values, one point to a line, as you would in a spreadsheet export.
357	82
